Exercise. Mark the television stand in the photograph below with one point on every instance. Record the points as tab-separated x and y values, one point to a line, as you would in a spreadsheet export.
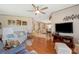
68	40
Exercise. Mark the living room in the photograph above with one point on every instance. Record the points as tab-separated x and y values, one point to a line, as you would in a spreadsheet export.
51	30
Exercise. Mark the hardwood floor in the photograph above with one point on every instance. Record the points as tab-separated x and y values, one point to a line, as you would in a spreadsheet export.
42	46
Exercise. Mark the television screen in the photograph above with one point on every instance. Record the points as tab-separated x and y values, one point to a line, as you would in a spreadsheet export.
64	27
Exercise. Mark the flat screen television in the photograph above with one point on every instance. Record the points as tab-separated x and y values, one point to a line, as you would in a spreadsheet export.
64	27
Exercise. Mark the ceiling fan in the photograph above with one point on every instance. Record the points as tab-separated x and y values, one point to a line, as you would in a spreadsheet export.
38	10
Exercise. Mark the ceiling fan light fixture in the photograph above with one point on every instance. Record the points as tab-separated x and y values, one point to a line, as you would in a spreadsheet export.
37	12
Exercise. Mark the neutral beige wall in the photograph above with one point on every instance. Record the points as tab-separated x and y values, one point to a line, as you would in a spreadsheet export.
4	19
57	17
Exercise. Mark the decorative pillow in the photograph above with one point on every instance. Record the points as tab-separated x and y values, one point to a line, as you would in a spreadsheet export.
14	43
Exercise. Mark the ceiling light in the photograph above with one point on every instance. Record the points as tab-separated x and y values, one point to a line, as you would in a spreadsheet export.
37	12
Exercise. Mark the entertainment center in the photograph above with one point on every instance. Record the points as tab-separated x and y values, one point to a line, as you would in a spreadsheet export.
65	28
68	40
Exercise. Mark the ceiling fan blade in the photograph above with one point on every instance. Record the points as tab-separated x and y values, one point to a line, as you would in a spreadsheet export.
33	5
37	7
30	10
42	12
50	17
44	8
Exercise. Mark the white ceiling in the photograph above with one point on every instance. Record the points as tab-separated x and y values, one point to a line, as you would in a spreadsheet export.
21	9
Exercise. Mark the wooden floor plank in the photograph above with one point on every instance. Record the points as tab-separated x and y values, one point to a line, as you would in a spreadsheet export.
42	46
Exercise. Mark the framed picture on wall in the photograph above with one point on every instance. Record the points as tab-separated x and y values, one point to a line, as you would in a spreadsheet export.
18	22
10	22
13	21
24	22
